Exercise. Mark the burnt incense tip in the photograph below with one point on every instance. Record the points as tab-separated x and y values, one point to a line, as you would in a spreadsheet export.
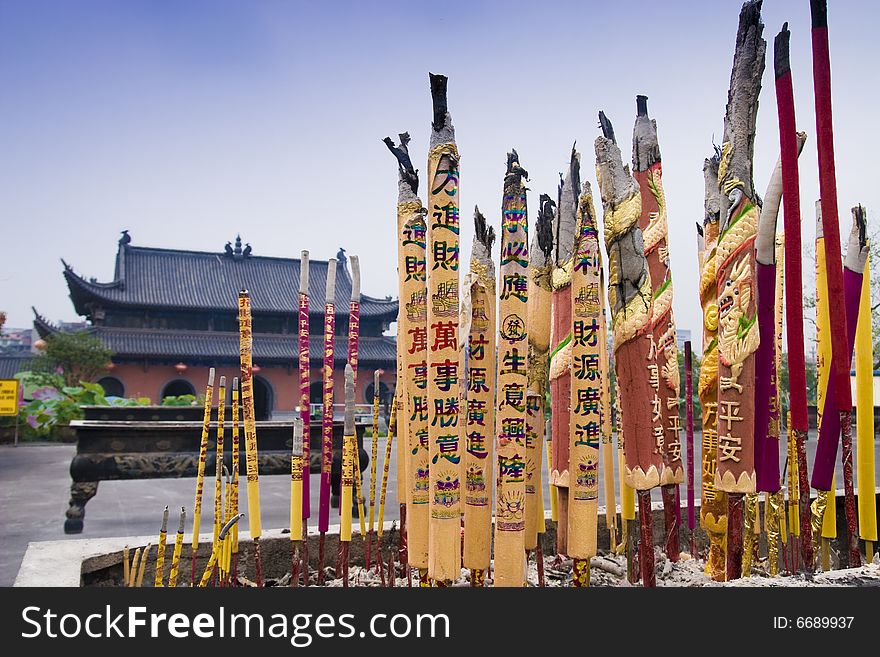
819	13
641	105
607	128
699	229
405	166
222	380
514	169
211	376
862	223
484	233
438	98
781	48
749	17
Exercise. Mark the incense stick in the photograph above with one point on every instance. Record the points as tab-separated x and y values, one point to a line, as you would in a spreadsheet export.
327	414
444	375
296	495
478	313
305	406
218	460
250	429
236	449
160	551
373	466
512	380
175	555
200	477
349	444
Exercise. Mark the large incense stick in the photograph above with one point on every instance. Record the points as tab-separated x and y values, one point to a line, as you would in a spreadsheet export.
349	445
297	466
236	451
412	355
774	504
689	433
865	419
823	365
304	407
175	555
200	477
479	307
541	261
444	383
354	332
218	461
713	502
663	367
392	428
327	413
160	551
512	380
738	333
216	552
839	424
373	466
246	343
560	340
828	195
608	452
631	301
587	390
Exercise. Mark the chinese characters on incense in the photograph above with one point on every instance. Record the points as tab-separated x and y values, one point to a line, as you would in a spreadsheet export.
587	391
738	335
663	371
444	383
512	380
412	354
480	400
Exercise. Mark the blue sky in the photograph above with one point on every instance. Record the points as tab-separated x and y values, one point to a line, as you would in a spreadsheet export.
187	122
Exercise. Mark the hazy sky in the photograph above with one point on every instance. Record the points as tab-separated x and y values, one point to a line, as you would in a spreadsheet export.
189	121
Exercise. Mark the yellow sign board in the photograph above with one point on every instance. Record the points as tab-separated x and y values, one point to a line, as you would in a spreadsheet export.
8	396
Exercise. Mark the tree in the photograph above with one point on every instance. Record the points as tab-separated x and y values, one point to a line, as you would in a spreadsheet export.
79	357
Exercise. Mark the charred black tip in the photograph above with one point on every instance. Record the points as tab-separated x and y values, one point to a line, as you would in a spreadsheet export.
781	47
485	234
438	98
749	16
641	105
862	223
544	224
607	128
404	163
513	166
819	12
699	229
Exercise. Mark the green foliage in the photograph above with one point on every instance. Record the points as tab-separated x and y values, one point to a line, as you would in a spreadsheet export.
182	400
75	356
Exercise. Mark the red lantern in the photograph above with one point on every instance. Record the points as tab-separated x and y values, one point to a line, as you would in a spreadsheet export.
180	367
255	369
111	366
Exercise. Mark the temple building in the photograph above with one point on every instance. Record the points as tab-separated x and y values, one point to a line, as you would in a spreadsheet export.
168	315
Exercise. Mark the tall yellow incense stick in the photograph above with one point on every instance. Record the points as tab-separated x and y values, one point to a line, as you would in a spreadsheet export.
132	573
143	565
392	427
178	546
587	385
374	456
479	287
865	419
216	552
126	566
554	507
539	311
200	478
160	550
608	454
218	462
296	496
349	447
512	380
412	359
235	467
823	364
250	427
444	375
